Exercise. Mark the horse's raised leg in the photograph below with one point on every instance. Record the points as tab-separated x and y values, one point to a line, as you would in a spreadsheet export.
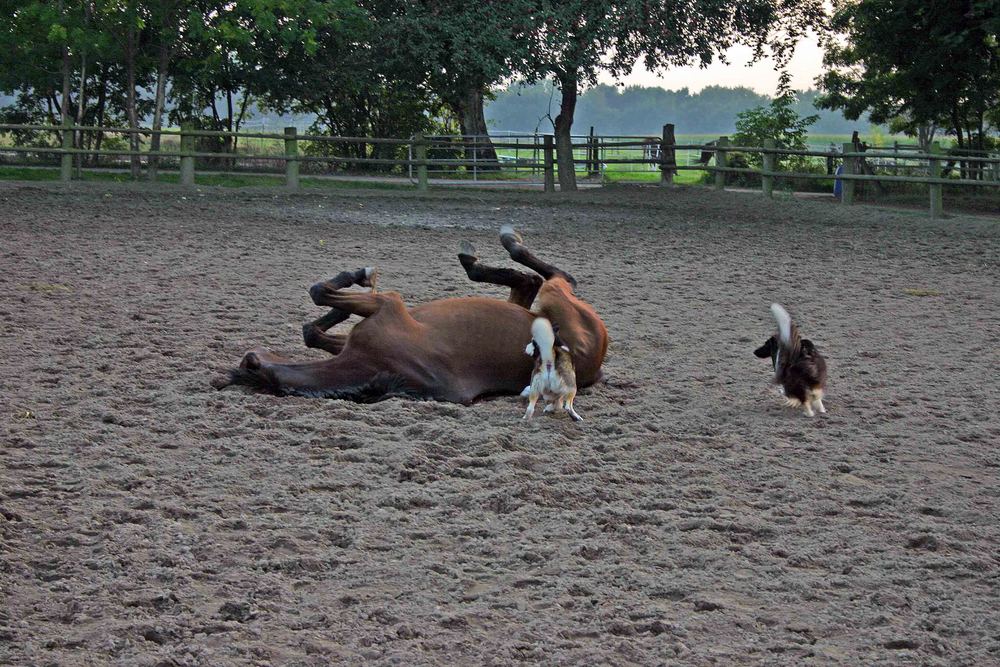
514	245
523	286
331	293
313	333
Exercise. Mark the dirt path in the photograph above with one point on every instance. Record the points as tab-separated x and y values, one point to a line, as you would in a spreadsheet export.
147	519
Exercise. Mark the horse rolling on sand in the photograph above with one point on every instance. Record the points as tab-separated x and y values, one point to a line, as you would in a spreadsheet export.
455	350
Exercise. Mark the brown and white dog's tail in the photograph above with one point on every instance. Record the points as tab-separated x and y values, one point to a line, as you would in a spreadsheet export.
543	339
789	342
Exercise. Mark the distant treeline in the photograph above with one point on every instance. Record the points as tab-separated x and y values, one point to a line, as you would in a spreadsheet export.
640	110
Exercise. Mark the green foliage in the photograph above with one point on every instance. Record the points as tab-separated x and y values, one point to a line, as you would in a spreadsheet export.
575	40
915	62
778	121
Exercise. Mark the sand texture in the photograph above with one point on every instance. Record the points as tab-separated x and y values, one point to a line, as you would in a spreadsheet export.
149	519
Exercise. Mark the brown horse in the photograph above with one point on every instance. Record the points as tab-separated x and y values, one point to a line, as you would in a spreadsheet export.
454	350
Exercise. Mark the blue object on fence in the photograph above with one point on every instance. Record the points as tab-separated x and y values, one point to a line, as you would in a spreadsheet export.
838	184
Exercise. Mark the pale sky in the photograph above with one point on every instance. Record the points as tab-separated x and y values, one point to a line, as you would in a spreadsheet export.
805	66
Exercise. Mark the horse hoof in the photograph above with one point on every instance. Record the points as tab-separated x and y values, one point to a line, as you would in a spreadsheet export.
250	362
370	277
466	248
508	230
318	293
258	358
220	382
310	334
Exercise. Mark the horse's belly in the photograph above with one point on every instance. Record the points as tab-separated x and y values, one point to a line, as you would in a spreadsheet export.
479	343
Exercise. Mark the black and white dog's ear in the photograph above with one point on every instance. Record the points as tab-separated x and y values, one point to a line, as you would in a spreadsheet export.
532	349
767	349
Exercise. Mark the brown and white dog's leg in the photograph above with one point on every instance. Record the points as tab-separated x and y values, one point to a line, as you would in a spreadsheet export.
530	412
818	401
808	408
569	407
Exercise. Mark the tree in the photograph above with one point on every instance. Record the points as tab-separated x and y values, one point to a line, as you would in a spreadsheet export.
167	32
354	80
574	40
40	44
233	55
778	121
465	49
917	63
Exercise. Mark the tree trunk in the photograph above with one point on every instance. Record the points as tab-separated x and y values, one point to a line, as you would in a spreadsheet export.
64	104
564	124
473	121
161	88
81	95
957	122
66	71
50	106
980	146
133	118
925	136
244	106
230	140
102	97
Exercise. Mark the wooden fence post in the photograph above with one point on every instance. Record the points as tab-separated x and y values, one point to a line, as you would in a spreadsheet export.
291	159
766	180
847	186
936	190
549	161
420	153
721	162
153	163
187	162
668	155
66	160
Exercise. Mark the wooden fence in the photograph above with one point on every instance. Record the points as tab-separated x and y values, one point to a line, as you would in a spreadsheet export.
659	152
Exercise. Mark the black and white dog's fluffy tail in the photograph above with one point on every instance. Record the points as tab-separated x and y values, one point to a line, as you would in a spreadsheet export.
788	334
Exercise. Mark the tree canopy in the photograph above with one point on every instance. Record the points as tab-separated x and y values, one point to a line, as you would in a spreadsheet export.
916	63
573	41
397	67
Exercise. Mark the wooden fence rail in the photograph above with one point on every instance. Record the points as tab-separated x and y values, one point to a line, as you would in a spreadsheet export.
658	152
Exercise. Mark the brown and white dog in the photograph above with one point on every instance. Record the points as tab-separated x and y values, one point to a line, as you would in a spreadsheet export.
799	368
554	377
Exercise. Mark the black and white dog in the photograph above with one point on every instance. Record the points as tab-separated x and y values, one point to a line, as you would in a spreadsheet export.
799	368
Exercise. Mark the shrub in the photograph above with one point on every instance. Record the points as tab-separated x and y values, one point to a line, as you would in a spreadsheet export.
777	121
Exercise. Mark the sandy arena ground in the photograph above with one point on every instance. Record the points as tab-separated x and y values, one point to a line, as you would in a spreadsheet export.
148	519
